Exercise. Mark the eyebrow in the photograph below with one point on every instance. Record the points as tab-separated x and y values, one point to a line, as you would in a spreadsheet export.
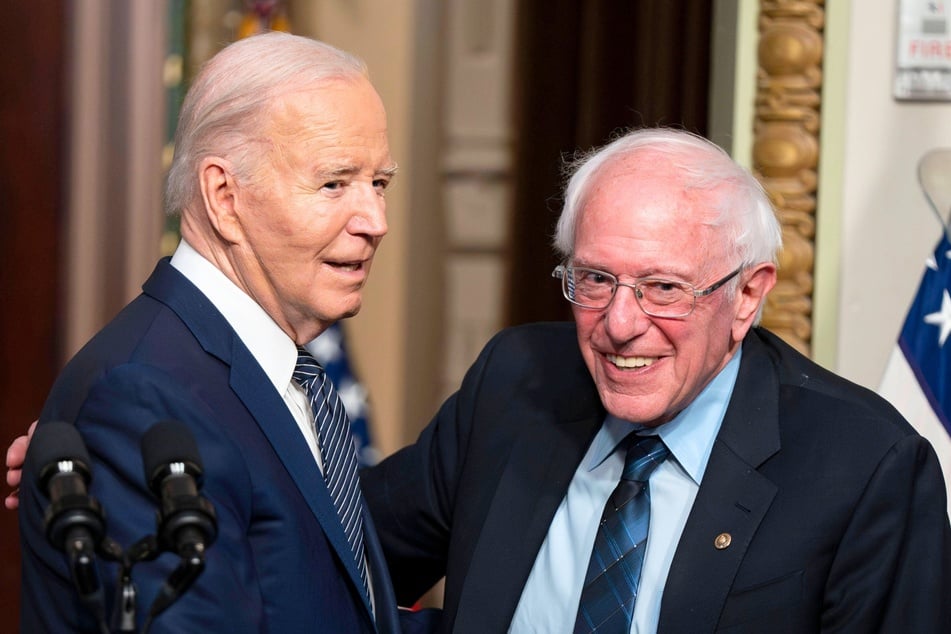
657	275
350	170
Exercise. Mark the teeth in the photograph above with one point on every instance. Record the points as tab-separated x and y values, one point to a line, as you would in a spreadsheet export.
630	362
347	267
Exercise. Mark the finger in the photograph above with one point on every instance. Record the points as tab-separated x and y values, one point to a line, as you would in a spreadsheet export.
15	456
16	453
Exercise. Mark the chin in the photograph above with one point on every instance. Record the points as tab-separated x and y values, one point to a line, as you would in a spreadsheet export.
635	413
350	309
350	313
336	305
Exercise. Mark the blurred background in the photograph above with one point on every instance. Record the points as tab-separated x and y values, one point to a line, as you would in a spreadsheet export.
486	99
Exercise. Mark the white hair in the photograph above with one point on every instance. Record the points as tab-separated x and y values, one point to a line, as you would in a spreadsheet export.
225	108
739	204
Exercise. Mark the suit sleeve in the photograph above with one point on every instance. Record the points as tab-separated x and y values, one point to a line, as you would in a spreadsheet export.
892	572
412	493
117	411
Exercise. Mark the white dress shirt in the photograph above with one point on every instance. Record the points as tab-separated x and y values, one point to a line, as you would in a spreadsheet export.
270	346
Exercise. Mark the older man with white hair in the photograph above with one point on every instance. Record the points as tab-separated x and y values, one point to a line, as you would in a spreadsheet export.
662	464
280	170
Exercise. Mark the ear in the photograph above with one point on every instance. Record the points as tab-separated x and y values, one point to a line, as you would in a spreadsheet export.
758	281
219	192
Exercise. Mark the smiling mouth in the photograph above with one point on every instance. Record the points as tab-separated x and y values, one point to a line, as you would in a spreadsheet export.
630	362
346	266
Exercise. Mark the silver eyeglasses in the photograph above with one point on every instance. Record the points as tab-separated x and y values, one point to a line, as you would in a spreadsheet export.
591	288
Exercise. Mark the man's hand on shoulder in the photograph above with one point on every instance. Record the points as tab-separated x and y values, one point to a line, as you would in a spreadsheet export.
16	453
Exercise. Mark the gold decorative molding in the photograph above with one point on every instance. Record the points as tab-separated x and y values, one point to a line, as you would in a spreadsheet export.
786	152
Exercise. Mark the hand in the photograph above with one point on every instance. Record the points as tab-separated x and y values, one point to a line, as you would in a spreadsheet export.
16	453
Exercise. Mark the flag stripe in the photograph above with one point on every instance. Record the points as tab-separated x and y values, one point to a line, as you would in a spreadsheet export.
931	405
917	379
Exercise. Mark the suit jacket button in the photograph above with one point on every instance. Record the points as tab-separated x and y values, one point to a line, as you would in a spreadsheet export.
722	541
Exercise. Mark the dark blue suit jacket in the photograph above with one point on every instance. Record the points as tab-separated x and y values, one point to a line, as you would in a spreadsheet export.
281	561
836	508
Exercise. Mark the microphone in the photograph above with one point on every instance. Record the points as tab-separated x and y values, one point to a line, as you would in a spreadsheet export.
74	521
187	524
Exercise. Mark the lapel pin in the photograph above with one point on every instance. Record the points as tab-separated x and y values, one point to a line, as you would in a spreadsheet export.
722	541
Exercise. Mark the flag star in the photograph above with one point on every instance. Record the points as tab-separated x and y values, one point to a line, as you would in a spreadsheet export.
369	456
931	263
354	397
328	347
942	318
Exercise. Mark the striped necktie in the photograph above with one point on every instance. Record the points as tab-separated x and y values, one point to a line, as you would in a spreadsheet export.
614	570
337	451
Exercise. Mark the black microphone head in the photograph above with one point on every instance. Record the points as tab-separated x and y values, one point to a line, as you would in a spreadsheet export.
165	443
56	448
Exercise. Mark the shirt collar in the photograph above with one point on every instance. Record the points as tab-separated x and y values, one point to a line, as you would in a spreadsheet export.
690	435
270	346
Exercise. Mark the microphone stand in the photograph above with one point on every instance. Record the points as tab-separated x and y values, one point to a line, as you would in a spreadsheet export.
146	549
191	565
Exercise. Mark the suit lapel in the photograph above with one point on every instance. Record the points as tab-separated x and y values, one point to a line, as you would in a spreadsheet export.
530	490
269	410
732	500
387	615
256	392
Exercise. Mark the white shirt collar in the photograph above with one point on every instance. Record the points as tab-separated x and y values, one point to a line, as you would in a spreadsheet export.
270	346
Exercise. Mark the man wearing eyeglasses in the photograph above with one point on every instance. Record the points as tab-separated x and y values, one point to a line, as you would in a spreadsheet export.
663	464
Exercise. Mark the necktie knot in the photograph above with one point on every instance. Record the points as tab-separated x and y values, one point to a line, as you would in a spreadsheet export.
307	372
644	454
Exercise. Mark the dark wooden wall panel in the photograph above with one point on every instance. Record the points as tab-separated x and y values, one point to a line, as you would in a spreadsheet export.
583	72
32	202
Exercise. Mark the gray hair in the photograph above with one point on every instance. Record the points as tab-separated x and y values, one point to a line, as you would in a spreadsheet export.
225	108
740	205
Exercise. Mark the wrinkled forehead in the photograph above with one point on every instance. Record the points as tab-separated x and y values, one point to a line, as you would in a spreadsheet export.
342	117
645	204
332	102
650	178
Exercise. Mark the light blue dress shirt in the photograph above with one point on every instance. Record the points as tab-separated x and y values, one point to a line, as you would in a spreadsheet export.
549	601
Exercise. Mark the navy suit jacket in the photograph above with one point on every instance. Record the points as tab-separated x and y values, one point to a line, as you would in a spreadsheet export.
835	506
281	561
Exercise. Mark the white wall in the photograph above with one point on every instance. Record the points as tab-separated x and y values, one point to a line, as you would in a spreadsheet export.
886	229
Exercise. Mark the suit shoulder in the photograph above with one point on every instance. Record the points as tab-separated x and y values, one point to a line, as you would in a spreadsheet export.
531	359
541	337
805	379
540	349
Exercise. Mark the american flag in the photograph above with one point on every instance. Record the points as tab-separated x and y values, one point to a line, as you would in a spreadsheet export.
917	378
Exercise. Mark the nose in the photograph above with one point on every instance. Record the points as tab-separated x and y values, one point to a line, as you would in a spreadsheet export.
369	217
623	318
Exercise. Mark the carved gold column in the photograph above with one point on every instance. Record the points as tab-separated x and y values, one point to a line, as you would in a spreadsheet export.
786	151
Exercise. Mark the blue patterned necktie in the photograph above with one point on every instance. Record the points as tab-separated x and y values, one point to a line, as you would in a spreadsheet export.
337	451
610	585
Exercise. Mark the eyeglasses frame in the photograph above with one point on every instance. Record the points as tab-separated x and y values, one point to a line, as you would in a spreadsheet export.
560	272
